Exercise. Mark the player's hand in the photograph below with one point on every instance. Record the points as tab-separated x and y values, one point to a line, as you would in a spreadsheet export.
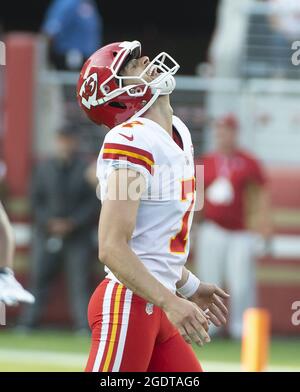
60	226
11	291
209	298
189	319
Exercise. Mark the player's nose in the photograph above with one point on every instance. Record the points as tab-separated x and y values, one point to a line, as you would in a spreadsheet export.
145	60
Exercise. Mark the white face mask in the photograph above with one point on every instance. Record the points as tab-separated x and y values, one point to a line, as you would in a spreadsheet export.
164	84
163	62
220	192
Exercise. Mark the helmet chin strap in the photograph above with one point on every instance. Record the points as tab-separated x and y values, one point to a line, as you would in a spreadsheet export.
165	87
147	106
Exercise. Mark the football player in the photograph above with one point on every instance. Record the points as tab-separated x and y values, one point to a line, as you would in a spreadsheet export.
11	291
149	307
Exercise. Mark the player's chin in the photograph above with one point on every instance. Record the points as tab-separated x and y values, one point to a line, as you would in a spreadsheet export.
148	79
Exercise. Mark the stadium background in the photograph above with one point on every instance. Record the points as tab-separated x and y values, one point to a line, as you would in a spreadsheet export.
268	111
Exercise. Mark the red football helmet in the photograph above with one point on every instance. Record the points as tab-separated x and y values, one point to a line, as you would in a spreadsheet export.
100	90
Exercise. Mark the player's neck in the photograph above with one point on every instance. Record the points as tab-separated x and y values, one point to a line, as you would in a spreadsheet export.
226	151
161	112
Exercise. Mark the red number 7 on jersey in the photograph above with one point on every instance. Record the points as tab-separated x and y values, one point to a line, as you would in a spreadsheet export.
178	242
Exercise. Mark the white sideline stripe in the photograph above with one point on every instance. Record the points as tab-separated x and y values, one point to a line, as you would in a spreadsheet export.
215	366
283	246
43	357
105	324
124	328
286	246
75	359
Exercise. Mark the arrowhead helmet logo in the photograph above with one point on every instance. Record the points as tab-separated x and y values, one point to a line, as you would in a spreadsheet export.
88	91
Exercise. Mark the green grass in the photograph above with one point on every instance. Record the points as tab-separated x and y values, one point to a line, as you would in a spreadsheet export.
62	351
283	352
64	342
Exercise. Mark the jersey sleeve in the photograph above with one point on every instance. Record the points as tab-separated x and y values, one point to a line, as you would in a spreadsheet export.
126	146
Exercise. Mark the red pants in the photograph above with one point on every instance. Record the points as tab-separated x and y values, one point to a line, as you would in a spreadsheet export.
129	334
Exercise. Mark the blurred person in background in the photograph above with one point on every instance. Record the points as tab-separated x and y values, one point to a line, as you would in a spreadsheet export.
224	245
65	209
284	18
11	291
74	30
226	47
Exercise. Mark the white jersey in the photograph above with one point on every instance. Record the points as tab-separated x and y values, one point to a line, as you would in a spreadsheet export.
161	235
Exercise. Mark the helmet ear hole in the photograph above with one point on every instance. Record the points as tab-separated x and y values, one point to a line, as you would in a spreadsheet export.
119	105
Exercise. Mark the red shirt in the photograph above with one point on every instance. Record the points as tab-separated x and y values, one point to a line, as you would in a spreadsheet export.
241	169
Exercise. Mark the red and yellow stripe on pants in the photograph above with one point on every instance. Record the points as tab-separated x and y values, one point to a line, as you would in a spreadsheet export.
129	334
114	323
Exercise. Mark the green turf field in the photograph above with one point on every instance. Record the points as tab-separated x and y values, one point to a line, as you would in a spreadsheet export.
62	351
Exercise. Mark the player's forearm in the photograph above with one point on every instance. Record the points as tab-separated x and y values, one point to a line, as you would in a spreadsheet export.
7	243
129	270
263	212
